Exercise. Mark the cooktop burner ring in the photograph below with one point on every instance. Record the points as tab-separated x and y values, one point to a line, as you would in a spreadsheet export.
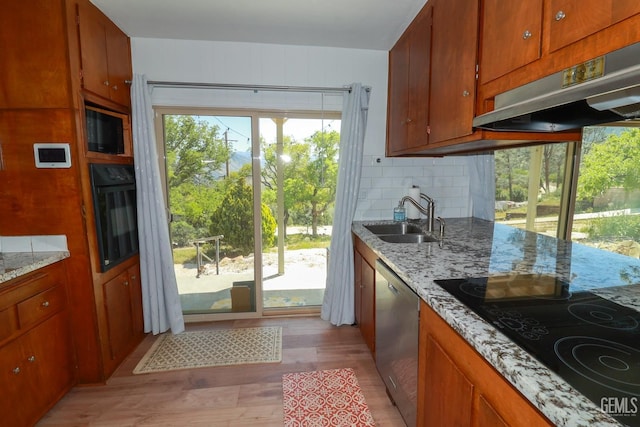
604	316
604	362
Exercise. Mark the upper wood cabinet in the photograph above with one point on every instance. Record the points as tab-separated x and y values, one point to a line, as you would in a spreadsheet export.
453	69
511	34
432	77
105	55
573	20
524	41
409	79
34	65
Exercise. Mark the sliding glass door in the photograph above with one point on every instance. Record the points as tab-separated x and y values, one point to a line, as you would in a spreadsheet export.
251	198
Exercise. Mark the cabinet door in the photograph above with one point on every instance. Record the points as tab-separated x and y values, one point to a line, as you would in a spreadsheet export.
367	321
105	55
15	385
117	300
49	355
398	102
357	285
453	71
119	64
511	36
35	371
448	393
93	49
135	288
487	416
572	20
419	80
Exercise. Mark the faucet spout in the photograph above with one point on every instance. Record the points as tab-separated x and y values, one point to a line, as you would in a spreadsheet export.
429	211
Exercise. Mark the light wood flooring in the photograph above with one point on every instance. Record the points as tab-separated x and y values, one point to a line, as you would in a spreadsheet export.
245	395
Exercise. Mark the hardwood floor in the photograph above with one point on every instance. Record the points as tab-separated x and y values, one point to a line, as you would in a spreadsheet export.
245	395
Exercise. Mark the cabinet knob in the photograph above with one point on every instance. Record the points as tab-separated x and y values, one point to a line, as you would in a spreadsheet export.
133	277
45	304
527	34
465	93
114	87
560	15
31	358
106	82
16	370
408	120
126	283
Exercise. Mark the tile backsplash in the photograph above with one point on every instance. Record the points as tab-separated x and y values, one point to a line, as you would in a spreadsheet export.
386	180
50	243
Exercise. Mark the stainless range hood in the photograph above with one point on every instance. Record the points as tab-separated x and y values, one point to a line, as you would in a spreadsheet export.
603	90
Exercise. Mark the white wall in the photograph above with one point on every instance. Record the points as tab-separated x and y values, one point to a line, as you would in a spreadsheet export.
445	179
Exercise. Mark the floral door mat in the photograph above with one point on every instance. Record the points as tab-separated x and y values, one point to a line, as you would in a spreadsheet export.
199	349
329	398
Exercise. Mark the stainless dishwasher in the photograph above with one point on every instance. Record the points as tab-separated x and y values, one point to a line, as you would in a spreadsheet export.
397	322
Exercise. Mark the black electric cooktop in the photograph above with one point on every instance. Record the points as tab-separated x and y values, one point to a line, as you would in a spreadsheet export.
589	341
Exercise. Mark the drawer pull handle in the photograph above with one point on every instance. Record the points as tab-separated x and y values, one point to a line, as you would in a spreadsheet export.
16	370
45	304
31	359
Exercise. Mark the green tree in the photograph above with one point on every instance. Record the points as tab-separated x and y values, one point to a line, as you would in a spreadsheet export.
613	163
194	153
309	177
233	218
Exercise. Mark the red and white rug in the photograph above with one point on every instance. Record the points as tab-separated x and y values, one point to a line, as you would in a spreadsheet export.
330	398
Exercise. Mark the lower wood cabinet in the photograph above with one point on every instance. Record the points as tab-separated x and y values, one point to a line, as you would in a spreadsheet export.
456	386
37	363
123	308
365	292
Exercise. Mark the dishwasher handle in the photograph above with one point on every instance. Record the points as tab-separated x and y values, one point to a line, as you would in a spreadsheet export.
393	289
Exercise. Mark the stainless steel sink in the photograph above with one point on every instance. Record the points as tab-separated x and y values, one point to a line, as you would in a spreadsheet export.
407	238
400	228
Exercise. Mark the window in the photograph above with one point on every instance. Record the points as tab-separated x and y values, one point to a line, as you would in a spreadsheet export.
587	192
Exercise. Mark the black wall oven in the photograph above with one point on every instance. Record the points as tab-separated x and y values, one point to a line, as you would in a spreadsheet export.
114	202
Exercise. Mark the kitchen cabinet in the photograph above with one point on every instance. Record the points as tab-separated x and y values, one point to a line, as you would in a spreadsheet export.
456	386
36	348
121	297
59	201
432	77
365	288
453	69
409	79
573	20
105	55
567	32
511	36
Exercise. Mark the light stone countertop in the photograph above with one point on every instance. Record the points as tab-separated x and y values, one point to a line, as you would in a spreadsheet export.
16	264
478	248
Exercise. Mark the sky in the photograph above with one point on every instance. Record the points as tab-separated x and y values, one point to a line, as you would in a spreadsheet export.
239	134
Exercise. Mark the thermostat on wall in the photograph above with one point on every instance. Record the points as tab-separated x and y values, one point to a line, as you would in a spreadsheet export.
52	155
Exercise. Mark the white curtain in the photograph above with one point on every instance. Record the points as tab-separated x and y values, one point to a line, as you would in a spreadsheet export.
482	185
338	303
160	299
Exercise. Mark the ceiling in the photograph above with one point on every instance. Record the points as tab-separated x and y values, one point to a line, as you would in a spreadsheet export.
358	24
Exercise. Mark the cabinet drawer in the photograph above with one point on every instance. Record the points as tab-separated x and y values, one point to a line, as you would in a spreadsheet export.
41	305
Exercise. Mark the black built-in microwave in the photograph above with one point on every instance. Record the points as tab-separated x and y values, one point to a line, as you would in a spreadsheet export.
104	130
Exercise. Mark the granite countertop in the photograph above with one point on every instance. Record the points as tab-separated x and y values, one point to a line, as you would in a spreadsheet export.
16	264
478	248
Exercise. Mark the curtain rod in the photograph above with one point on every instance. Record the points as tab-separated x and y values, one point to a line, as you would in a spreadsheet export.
254	88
